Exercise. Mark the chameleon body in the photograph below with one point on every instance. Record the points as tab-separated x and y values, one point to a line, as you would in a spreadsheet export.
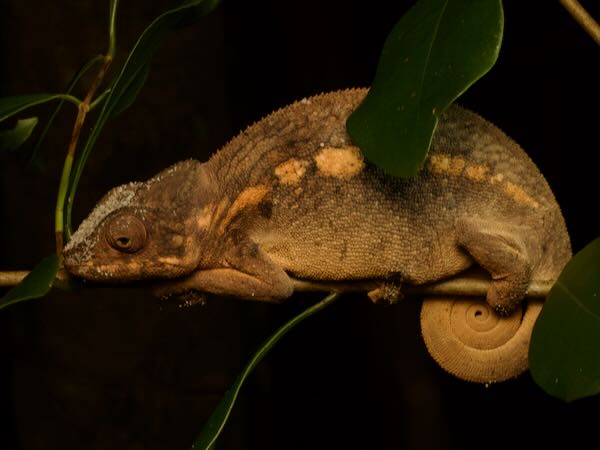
292	195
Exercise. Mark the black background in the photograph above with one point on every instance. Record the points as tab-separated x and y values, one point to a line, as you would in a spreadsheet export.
114	369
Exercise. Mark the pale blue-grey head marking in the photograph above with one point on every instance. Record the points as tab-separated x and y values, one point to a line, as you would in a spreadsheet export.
85	238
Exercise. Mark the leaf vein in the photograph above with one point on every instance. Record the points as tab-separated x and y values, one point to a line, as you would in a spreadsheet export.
576	300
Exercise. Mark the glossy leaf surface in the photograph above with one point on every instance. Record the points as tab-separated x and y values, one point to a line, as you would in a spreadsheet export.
434	53
35	285
9	106
11	140
564	355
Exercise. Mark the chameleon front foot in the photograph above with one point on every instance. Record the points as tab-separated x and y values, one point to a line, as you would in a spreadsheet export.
387	293
470	340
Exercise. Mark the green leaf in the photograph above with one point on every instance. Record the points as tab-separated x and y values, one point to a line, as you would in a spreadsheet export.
133	89
215	424
35	285
11	140
564	355
128	83
434	53
9	106
80	73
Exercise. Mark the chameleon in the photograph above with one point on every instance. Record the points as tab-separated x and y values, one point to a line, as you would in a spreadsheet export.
292	196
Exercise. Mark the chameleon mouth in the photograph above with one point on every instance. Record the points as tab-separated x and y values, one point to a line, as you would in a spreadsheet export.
88	271
124	272
101	274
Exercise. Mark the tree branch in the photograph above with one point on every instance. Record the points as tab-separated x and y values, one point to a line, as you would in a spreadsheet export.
585	20
471	284
12	278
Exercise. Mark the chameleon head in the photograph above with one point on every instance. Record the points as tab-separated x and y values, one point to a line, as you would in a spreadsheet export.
140	231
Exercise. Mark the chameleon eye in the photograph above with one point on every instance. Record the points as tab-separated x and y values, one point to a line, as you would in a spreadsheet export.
126	233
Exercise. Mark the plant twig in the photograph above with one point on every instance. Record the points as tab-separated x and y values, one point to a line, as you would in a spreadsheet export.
585	20
12	278
84	107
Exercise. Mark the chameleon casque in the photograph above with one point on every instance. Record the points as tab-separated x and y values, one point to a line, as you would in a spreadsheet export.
292	196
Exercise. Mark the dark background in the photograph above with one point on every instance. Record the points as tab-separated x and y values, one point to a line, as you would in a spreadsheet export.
114	369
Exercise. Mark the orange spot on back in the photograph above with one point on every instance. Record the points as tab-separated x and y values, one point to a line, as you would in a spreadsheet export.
476	172
340	162
519	195
249	197
291	171
446	164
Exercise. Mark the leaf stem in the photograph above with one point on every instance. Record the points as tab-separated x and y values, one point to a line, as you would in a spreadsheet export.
112	33
583	18
99	99
69	98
